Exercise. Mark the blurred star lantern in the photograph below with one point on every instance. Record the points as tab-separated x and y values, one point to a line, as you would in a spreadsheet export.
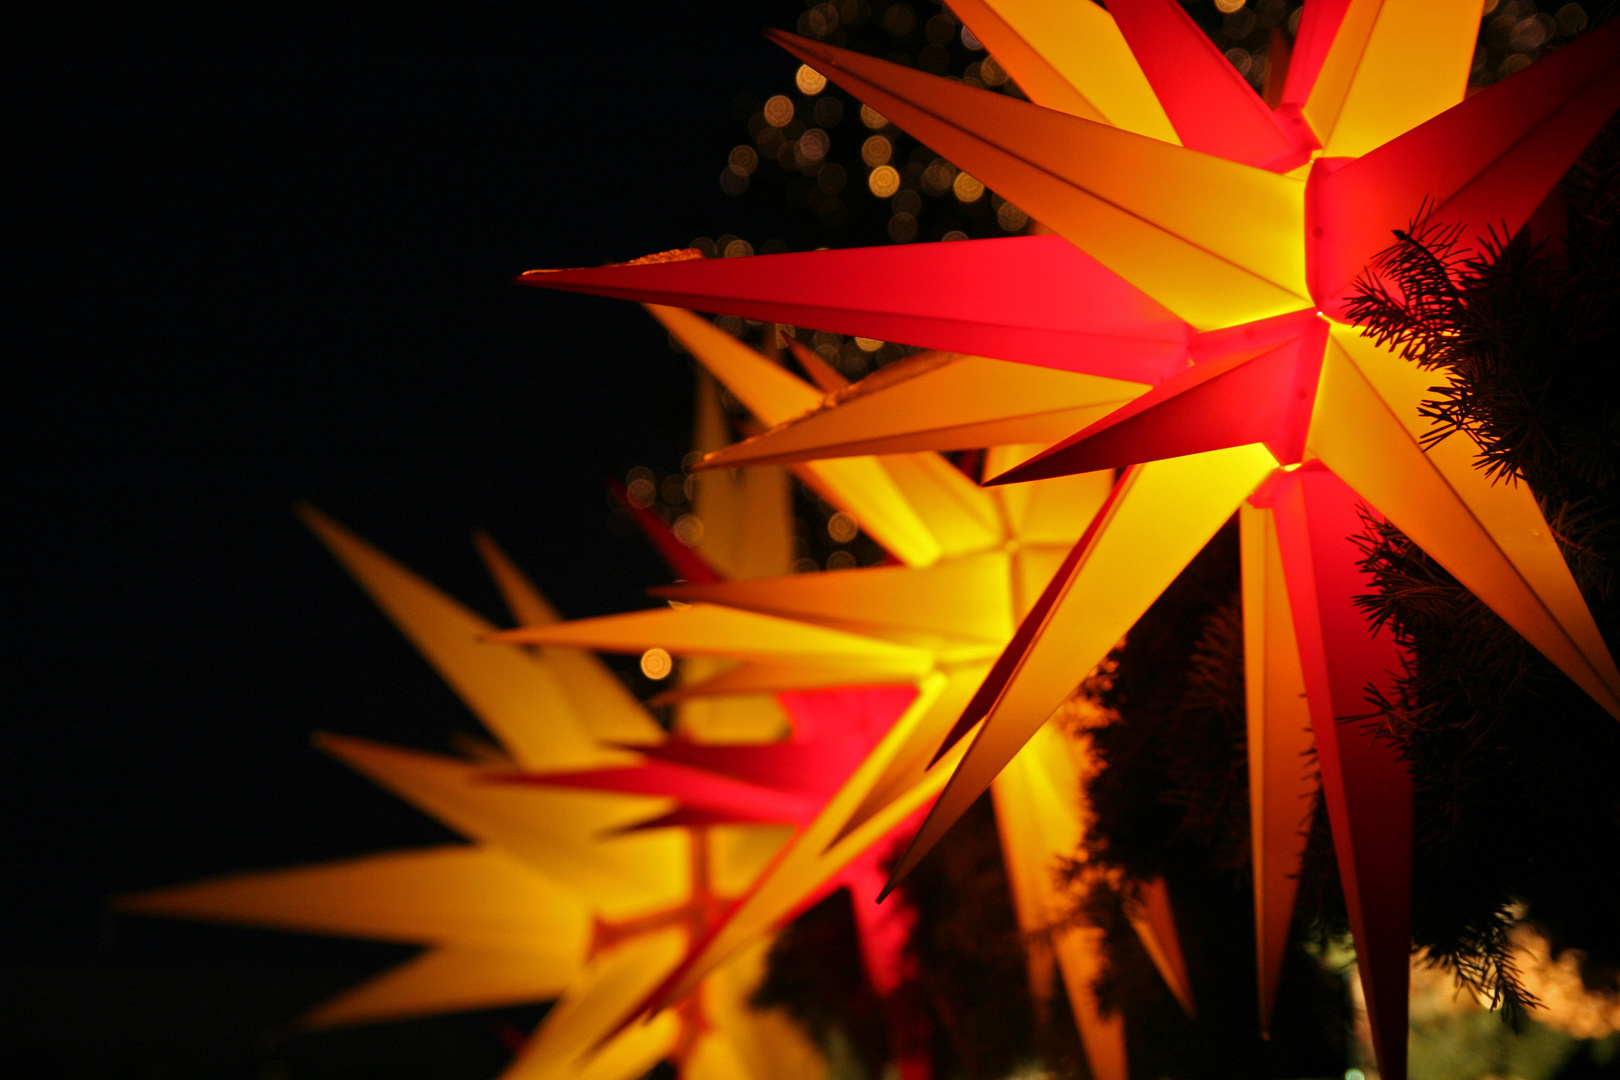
586	897
973	561
1206	245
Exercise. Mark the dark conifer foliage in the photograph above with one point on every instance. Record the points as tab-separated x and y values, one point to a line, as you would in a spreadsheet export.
1517	770
814	971
969	957
1170	800
968	970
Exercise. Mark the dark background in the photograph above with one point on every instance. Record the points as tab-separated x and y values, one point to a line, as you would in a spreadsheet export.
261	255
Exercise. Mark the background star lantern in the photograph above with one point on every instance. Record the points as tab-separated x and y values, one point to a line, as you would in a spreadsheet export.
562	894
936	625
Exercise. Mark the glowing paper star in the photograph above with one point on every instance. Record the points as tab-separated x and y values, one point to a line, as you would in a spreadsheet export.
1250	232
935	625
563	894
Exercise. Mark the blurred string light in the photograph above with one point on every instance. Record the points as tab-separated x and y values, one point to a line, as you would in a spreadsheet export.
640	487
876	151
809	80
926	35
1566	1002
656	664
799	153
842	527
883	181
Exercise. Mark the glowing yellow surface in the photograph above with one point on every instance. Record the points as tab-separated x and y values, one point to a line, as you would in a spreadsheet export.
962	598
1037	803
503	687
1069	57
818	852
1392	66
517	915
712	630
747	517
1492	537
938	401
998	549
1168	511
597	698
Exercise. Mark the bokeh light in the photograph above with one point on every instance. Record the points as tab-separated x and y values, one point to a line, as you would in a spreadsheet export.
688	530
900	19
640	488
884	181
779	111
813	146
1571	20
809	80
938	176
842	527
966	188
656	663
1011	218
872	118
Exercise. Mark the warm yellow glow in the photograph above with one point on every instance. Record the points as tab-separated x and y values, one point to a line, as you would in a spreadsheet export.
656	664
1068	57
842	527
1566	1003
997	549
809	80
876	151
551	898
779	111
966	188
883	181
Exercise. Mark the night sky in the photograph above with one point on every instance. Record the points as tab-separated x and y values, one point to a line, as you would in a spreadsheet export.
264	257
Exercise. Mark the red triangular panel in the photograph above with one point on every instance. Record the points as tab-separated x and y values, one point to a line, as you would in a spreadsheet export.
1367	787
1483	164
1035	299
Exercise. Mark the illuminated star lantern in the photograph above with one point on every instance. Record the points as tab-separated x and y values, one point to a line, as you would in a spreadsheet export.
561	894
977	563
1197	225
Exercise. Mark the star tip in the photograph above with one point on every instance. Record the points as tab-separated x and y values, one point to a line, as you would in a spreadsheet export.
714	459
795	44
1008	477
